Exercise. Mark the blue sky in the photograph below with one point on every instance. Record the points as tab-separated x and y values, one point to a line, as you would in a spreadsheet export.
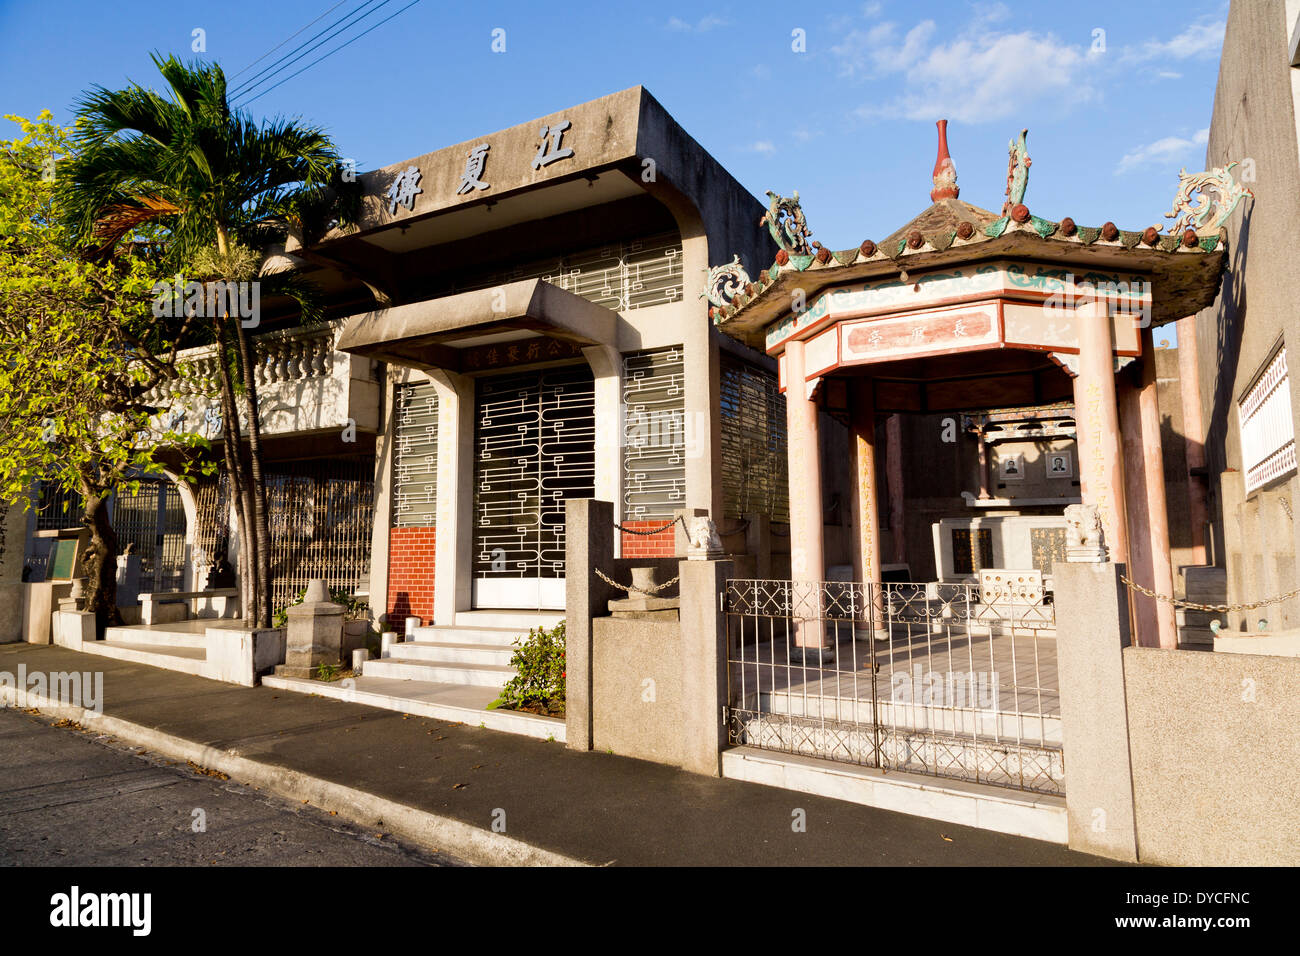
1112	115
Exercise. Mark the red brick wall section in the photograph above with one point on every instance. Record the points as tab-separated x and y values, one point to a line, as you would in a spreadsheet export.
410	575
648	546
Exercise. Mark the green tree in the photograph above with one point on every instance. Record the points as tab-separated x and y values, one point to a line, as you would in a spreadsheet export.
225	189
79	351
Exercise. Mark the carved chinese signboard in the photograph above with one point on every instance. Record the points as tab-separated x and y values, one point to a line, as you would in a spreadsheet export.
917	334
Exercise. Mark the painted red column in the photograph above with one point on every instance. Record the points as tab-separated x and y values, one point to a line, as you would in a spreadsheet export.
866	525
1140	553
1157	512
1101	476
803	449
894	481
1189	385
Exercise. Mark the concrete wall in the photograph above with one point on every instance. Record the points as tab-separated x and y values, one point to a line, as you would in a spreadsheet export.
1254	118
1172	757
636	688
13	532
1215	755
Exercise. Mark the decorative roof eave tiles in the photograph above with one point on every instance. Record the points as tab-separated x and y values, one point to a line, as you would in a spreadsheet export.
767	298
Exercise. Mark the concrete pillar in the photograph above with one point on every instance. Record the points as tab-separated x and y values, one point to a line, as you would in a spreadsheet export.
454	542
807	556
894	481
13	528
1091	633
1097	416
383	497
862	460
1189	386
1157	514
314	635
588	545
607	367
704	664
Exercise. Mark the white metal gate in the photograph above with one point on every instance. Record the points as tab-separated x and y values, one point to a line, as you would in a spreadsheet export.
535	446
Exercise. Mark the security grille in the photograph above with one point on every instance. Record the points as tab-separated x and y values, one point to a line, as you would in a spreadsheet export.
1267	426
754	465
154	521
534	441
415	461
320	516
59	508
619	275
654	434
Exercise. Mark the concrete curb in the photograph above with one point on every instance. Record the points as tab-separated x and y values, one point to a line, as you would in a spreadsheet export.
454	837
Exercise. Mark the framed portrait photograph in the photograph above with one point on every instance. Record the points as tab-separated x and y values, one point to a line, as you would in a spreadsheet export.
1060	464
1011	468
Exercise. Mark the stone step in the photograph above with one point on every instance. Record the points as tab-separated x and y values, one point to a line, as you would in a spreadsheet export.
509	620
439	634
459	653
445	672
186	660
153	636
462	703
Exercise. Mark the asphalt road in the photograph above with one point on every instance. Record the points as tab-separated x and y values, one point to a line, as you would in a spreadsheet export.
70	797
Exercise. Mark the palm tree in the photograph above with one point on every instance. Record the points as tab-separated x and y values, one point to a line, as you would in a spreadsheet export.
225	189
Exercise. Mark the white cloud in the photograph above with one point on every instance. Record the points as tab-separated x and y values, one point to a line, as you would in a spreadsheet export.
982	75
702	25
1167	151
764	146
1203	39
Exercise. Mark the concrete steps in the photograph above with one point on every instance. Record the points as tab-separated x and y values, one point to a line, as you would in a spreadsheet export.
474	650
186	660
154	637
438	671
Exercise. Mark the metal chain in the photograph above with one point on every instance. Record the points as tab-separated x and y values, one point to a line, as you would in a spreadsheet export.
1220	608
647	533
632	587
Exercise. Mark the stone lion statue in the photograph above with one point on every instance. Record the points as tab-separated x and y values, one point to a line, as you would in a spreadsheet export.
702	533
1082	527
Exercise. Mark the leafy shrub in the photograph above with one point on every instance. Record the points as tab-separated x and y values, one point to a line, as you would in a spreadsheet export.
540	670
354	608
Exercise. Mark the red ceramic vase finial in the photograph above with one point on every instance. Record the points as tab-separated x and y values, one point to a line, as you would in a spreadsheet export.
945	173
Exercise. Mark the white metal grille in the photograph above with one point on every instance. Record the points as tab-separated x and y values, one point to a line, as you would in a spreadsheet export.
619	275
1267	427
654	433
754	465
415	458
535	447
154	521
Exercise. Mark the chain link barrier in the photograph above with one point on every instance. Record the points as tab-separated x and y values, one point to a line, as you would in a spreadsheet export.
632	587
1217	608
648	533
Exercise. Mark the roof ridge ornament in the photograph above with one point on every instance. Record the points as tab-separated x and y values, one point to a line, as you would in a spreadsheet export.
725	282
785	221
1018	163
945	173
1213	208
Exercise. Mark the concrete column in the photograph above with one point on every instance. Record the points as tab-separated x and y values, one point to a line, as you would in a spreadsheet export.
1140	556
454	542
894	480
1189	386
383	500
703	421
866	522
588	545
807	556
704	664
1157	515
1091	633
607	366
1097	417
13	528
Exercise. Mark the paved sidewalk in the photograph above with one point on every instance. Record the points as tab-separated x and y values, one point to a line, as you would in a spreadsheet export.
586	807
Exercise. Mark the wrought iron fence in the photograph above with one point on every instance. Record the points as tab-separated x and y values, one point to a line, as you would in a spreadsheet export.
950	680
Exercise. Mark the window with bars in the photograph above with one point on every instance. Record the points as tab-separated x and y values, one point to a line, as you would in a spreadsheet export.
1267	426
415	457
620	275
654	434
754	466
